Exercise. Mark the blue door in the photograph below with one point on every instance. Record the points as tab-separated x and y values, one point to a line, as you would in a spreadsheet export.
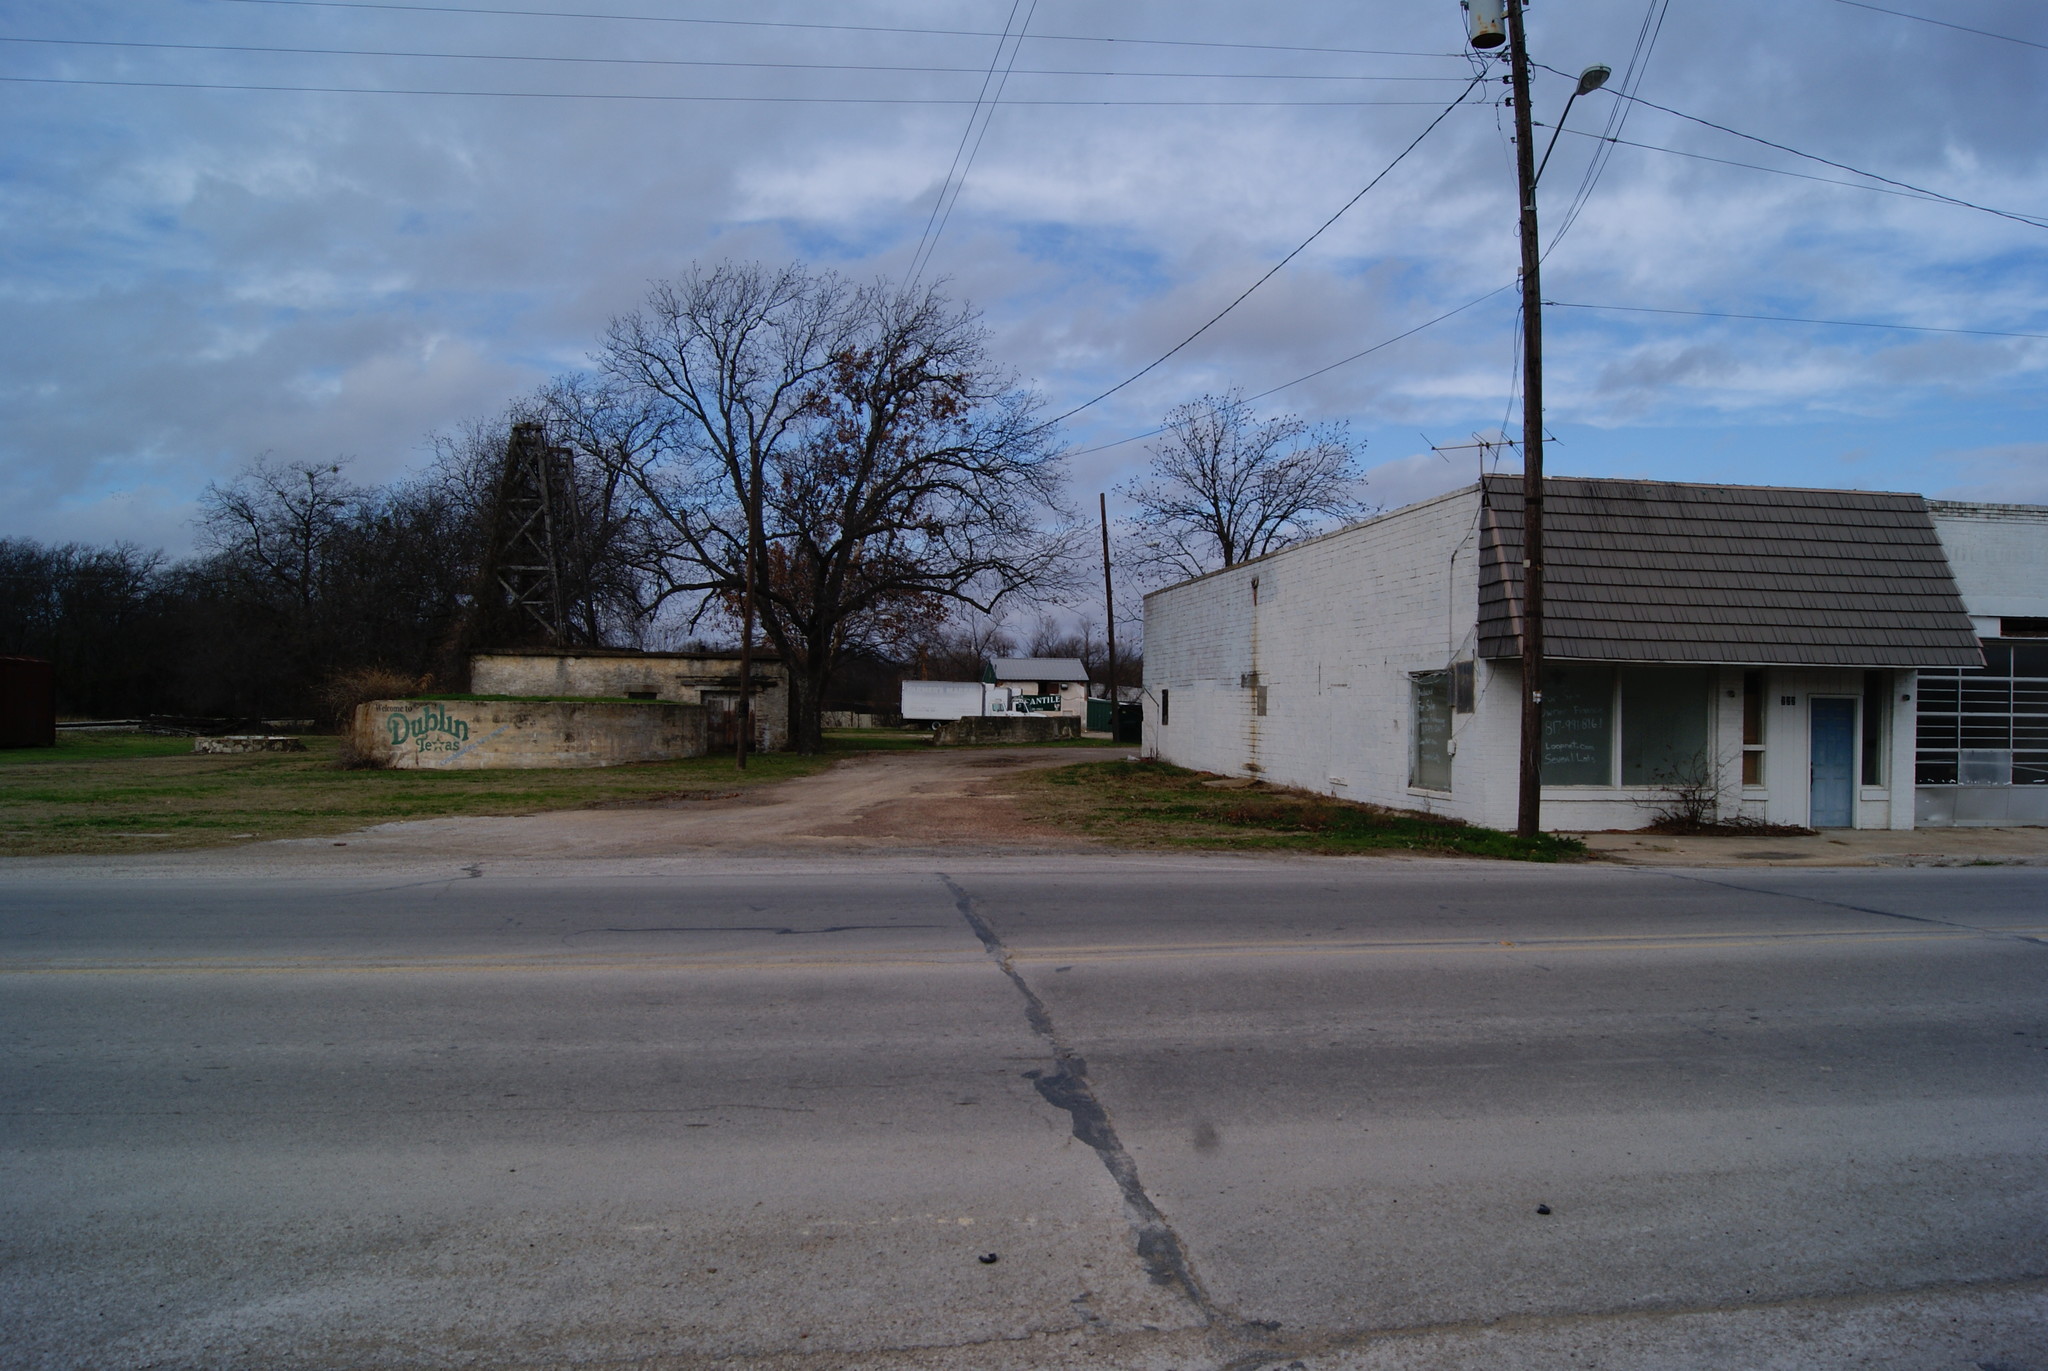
1833	734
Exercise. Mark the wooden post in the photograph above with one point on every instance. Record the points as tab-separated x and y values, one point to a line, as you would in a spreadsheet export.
1109	605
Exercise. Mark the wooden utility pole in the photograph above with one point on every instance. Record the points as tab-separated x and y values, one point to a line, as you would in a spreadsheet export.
1116	703
746	710
1529	805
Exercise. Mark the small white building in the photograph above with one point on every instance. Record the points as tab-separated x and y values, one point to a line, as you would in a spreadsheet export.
1041	685
1763	643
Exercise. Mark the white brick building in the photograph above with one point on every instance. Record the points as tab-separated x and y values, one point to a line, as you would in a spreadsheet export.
1762	642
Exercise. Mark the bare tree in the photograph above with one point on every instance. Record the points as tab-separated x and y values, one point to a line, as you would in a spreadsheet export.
957	648
1225	486
610	431
277	523
858	443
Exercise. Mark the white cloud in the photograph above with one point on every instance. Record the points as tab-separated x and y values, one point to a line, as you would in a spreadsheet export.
197	276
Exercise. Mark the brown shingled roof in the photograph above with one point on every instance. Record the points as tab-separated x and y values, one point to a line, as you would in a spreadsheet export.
1659	571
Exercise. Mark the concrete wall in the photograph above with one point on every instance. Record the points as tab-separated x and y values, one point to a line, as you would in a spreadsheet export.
1006	728
472	735
694	678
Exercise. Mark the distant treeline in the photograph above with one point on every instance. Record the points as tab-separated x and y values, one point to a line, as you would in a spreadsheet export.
301	574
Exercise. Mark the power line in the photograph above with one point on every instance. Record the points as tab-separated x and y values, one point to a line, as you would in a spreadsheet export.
1617	115
1943	23
1275	268
1310	376
834	28
704	62
1795	319
1367	352
705	99
1775	171
1826	162
935	223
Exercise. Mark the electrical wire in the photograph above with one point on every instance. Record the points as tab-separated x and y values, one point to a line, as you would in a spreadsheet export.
708	62
1310	376
1826	162
932	219
1275	268
987	116
1778	171
1793	319
1943	23
700	99
833	28
1617	116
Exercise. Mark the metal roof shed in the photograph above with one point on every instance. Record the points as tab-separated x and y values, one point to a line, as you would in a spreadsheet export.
1039	669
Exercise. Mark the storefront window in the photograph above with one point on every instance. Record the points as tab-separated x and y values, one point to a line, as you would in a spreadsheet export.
1664	725
1578	724
1429	766
1663	716
1986	725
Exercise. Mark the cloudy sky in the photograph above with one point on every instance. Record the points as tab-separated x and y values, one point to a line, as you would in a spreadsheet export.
328	229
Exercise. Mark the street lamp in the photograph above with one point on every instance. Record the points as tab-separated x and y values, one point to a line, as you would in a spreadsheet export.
1590	80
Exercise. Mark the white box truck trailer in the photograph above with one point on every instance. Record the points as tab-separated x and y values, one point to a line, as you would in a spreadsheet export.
932	700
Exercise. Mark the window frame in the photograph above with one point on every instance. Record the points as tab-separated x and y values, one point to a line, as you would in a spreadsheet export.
1439	681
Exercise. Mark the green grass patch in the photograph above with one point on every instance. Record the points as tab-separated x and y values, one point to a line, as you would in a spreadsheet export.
907	739
129	792
1152	804
75	746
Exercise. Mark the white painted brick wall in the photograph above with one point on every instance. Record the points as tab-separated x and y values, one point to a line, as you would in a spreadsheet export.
1999	554
1340	624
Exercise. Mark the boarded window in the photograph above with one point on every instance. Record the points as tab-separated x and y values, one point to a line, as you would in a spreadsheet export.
1578	724
1165	707
1429	764
1463	694
1664	725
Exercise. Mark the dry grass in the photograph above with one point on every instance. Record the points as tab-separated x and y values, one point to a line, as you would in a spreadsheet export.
1152	804
126	792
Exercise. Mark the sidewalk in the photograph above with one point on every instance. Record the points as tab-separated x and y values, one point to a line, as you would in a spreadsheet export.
1835	847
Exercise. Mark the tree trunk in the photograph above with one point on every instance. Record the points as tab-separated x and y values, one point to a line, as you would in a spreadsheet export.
807	705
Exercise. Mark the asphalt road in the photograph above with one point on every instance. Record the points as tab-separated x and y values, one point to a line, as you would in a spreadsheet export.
1119	1111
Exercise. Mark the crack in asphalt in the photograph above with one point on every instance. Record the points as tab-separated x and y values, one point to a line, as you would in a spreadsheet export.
1066	1087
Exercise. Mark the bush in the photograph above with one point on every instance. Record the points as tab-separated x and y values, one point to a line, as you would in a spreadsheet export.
344	690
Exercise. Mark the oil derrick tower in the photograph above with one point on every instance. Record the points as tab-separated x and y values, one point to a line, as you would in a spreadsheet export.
524	592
